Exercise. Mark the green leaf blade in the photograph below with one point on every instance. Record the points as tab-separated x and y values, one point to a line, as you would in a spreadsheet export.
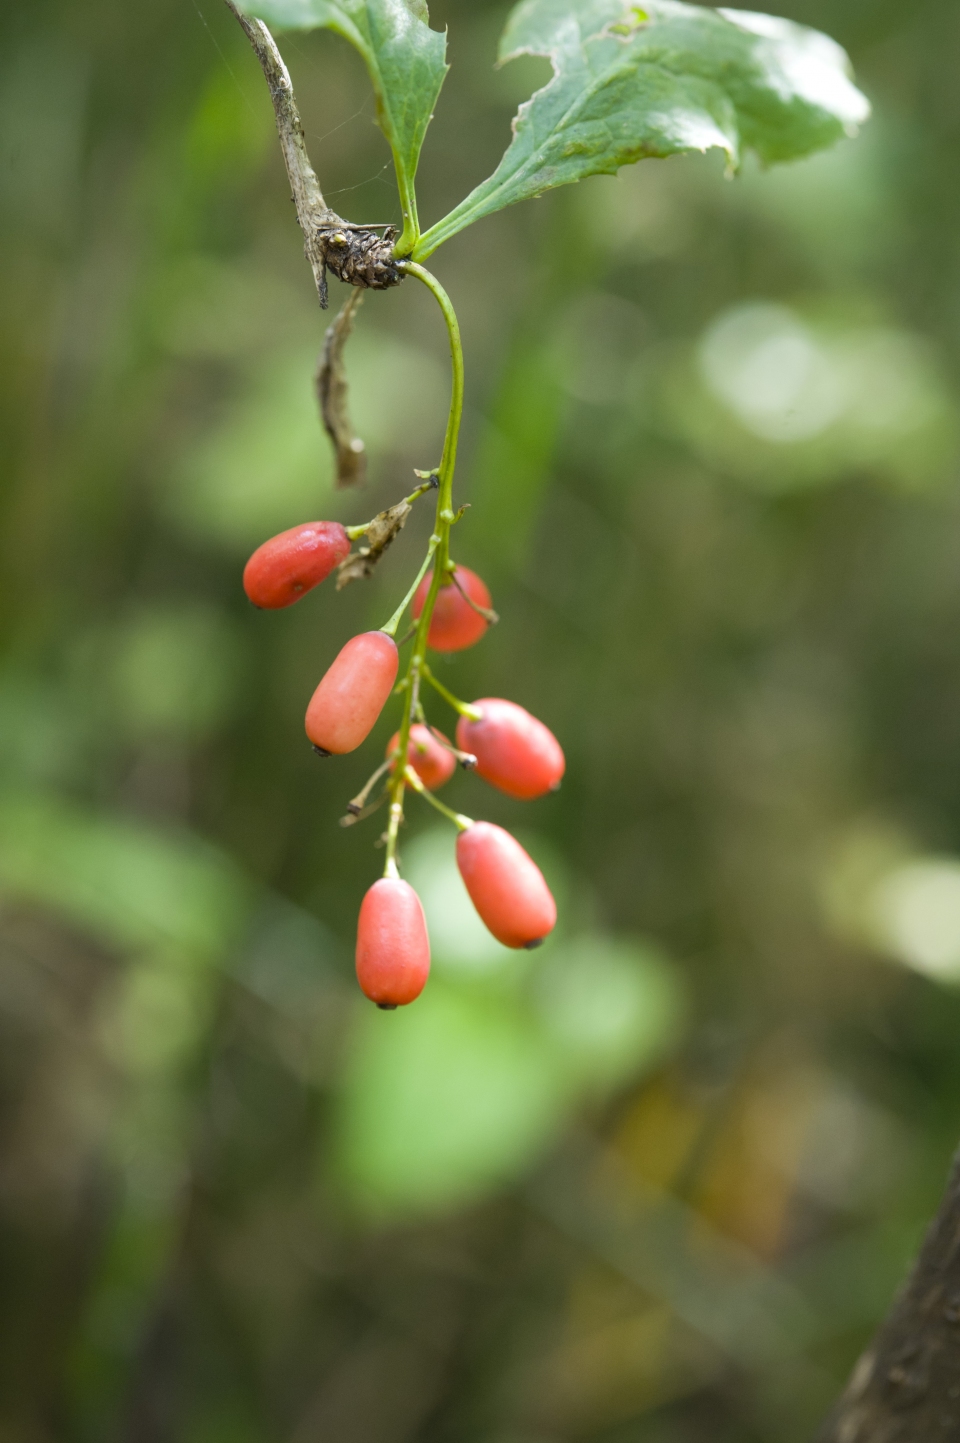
807	100
406	61
633	82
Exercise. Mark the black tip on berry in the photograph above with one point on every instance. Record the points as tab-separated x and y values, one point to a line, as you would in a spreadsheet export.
532	946
320	752
387	1006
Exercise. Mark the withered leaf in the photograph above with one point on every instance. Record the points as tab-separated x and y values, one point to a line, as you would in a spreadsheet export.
383	529
331	383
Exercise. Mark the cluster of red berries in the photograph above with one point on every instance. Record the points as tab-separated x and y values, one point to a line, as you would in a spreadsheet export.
501	741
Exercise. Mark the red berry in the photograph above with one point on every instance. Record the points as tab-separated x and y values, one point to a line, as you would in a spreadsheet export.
352	693
430	759
514	751
286	567
454	624
393	949
506	886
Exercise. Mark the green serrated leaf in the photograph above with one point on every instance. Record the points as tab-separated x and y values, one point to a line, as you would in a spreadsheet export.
407	65
631	82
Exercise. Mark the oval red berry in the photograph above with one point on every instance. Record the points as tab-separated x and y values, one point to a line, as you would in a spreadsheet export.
454	624
506	886
352	693
515	752
393	949
289	565
433	763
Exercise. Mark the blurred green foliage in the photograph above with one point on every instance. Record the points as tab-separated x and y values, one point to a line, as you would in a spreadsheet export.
657	1182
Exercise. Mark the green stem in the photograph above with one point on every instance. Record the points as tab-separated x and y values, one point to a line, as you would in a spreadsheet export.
411	224
439	553
391	626
462	823
472	713
355	532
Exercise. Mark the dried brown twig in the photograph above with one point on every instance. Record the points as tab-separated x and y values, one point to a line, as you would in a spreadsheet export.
906	1387
355	253
331	384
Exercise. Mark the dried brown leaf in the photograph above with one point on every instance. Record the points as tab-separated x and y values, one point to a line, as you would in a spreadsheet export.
332	394
381	532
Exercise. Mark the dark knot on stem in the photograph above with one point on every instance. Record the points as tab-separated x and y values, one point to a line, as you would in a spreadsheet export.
358	256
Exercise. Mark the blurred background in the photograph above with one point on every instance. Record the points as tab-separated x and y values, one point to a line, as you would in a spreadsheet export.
657	1182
